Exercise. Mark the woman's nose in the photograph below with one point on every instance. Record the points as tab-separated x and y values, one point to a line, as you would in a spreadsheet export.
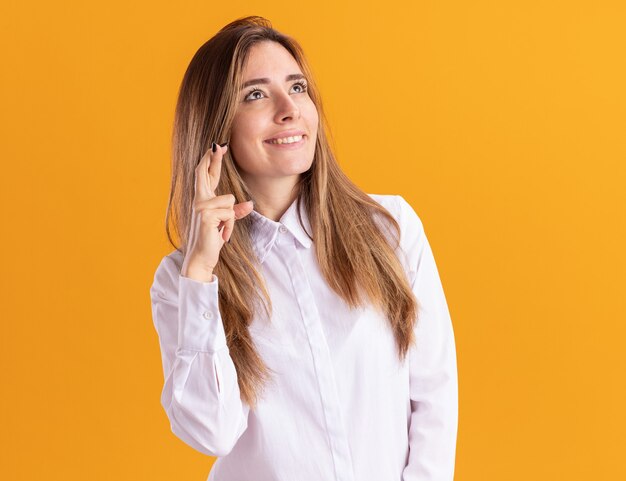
287	108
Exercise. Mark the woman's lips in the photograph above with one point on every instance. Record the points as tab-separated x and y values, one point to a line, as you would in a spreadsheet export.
291	146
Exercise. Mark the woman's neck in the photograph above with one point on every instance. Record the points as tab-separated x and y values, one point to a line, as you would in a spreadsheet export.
273	200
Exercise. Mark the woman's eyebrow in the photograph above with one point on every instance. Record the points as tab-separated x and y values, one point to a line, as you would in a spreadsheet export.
293	76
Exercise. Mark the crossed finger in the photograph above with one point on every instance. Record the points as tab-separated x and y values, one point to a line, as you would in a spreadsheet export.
207	173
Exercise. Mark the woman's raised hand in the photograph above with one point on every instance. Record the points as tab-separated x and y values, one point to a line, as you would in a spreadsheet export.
212	217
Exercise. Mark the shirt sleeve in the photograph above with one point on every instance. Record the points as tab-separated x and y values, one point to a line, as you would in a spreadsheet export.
432	363
200	393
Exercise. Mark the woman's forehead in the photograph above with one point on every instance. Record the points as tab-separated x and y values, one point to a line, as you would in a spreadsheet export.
269	59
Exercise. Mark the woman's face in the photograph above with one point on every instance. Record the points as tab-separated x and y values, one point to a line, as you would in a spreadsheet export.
278	107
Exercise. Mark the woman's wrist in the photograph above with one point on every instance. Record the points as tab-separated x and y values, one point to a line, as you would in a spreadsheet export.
198	274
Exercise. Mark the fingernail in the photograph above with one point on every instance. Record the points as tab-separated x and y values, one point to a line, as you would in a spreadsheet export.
224	144
213	147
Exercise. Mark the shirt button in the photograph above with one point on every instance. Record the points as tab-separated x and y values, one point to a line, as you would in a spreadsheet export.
207	315
282	229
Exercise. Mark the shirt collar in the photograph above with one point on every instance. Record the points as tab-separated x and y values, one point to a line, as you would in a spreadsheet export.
265	231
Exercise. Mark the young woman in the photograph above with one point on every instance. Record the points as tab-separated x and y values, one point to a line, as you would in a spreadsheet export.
303	327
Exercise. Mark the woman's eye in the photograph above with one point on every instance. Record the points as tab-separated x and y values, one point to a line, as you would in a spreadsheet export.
253	92
301	84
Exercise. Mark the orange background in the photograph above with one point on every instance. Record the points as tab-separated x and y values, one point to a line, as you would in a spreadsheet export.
502	123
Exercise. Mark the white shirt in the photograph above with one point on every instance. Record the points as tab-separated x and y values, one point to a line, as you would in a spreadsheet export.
343	407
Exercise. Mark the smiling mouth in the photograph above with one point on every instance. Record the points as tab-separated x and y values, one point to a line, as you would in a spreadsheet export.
295	139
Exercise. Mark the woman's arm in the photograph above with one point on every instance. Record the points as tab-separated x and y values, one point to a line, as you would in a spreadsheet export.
433	369
200	395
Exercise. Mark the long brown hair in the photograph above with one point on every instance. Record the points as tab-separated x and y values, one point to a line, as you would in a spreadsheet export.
355	256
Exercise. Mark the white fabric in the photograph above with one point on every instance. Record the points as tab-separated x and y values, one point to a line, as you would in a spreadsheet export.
342	407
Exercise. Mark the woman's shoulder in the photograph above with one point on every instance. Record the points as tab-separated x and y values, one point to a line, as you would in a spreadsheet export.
412	235
386	200
402	210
